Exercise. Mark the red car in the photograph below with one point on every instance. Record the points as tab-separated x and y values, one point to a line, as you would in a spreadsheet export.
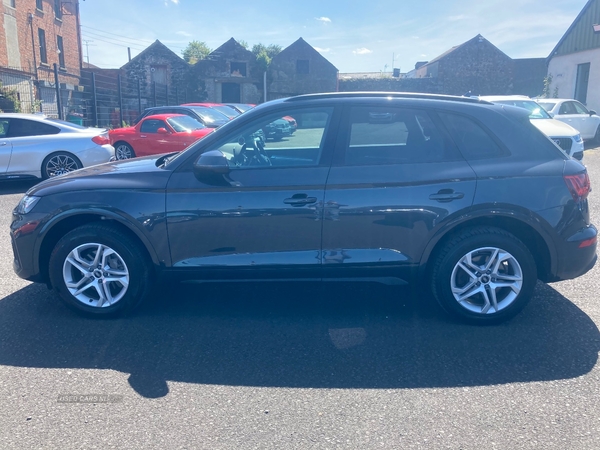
160	133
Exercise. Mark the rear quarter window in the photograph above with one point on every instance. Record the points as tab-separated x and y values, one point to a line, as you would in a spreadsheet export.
471	138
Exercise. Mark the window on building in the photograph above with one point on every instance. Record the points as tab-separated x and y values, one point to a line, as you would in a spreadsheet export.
302	66
12	3
43	52
238	69
39	5
58	9
61	51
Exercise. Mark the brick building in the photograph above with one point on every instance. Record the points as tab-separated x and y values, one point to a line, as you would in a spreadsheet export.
35	35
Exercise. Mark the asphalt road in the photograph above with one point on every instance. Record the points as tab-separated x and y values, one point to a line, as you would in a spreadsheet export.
297	366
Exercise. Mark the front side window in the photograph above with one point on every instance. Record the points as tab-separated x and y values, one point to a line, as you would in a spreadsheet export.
4	123
24	127
43	51
184	123
152	126
288	138
388	135
580	109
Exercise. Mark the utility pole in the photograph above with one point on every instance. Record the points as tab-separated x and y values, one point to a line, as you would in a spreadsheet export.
86	42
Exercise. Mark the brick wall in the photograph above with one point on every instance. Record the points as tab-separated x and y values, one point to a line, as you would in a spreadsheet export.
17	48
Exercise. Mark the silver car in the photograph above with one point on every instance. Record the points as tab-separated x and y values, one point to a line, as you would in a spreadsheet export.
33	145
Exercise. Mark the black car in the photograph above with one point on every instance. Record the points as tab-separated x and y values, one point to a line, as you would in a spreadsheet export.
208	116
460	195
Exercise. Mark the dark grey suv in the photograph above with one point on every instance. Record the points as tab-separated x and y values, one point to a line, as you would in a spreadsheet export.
462	196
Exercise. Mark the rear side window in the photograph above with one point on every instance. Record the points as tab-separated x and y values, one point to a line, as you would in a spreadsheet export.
471	138
388	135
24	127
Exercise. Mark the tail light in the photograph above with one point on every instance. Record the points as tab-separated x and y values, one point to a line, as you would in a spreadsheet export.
579	186
101	139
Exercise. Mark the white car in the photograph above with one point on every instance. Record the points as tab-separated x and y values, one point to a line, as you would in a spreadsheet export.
575	114
563	135
33	145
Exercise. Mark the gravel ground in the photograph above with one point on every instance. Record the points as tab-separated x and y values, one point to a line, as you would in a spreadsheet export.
297	366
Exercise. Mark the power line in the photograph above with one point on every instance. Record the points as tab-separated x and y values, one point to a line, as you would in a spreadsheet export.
116	44
124	39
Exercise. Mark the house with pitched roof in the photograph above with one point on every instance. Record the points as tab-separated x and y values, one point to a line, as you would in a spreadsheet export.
300	69
574	64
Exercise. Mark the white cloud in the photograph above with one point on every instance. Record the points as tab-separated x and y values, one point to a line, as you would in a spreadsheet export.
362	51
323	19
175	2
456	18
322	50
184	33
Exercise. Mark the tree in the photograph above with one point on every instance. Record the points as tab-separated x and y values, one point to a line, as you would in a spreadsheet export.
265	54
195	51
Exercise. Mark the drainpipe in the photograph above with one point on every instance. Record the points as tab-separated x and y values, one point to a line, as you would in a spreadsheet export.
30	20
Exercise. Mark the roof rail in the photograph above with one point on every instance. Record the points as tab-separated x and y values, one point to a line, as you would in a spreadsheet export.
376	94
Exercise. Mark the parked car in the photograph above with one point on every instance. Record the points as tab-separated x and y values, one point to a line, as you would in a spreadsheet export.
564	135
36	146
460	195
160	133
277	130
209	117
228	111
572	112
241	107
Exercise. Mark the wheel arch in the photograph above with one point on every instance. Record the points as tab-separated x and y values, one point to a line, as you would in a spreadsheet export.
534	238
55	230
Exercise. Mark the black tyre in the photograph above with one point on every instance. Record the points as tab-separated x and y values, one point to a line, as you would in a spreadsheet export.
123	151
483	275
59	163
597	136
100	271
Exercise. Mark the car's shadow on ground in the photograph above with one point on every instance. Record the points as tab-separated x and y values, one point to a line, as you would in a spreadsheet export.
16	187
315	335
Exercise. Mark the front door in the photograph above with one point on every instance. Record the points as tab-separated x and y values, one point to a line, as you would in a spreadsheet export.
395	177
266	214
231	93
5	146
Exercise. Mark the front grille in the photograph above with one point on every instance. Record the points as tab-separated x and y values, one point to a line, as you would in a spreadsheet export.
564	143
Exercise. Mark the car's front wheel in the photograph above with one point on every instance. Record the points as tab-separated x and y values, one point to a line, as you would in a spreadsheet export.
59	163
99	270
484	275
123	151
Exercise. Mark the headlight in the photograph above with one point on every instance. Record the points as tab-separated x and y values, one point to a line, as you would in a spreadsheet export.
26	204
577	138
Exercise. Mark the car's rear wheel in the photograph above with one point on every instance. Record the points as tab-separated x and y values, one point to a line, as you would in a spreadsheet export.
123	151
99	270
59	163
483	275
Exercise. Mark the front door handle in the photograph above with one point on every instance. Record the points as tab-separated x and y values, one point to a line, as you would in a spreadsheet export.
446	195
300	200
3	143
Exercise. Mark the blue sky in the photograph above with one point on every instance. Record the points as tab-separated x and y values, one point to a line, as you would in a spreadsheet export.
356	36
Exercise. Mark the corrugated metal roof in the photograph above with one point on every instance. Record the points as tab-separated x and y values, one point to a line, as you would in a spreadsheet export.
580	35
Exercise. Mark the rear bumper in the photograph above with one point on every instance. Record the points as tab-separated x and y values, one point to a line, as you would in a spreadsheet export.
577	255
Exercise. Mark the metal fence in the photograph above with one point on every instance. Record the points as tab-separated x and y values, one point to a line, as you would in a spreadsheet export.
100	98
112	100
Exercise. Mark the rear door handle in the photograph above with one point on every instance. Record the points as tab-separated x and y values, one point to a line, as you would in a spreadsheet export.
300	200
446	195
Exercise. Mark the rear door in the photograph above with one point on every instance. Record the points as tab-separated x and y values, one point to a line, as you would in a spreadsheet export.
395	177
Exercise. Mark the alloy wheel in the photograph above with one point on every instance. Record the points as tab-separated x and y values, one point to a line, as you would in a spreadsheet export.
60	164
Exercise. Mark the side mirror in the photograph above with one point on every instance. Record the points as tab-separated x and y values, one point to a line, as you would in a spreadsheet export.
162	131
211	166
592	112
551	114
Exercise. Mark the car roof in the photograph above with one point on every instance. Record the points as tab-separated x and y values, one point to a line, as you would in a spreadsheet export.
206	104
35	116
500	98
164	116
